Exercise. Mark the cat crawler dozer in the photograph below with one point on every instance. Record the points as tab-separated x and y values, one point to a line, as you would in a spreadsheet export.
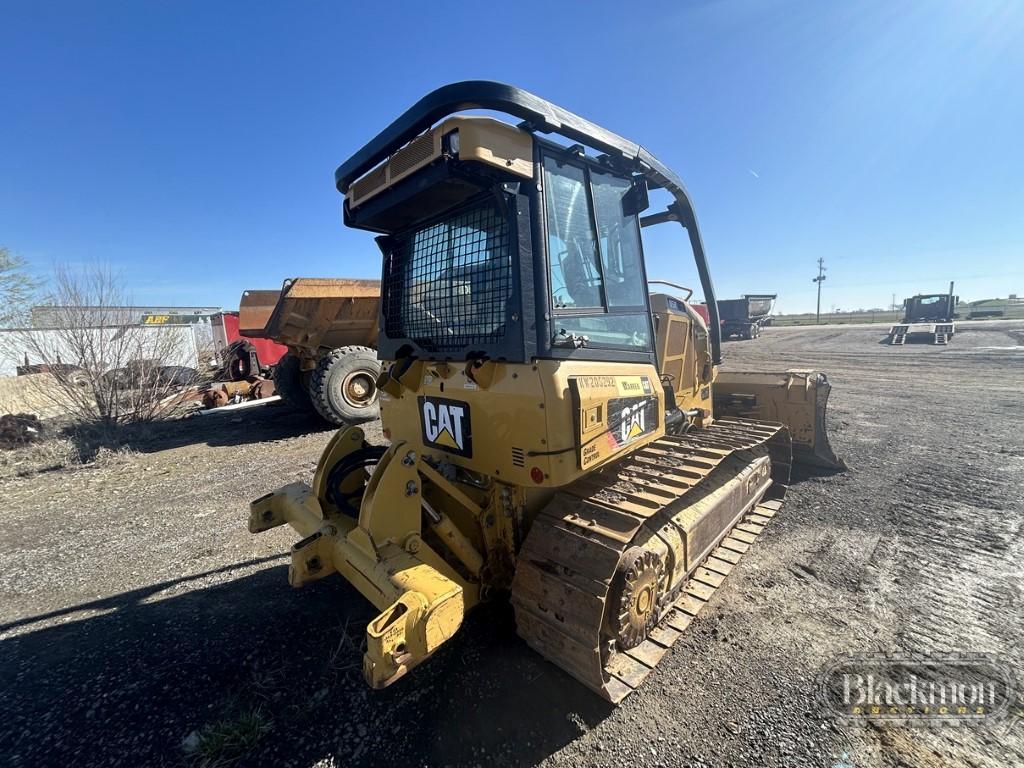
557	433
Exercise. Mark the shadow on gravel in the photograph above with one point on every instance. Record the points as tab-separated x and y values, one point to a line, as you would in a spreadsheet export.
802	472
252	425
129	686
130	599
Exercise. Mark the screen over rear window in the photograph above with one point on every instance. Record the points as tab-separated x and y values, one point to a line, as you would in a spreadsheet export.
447	284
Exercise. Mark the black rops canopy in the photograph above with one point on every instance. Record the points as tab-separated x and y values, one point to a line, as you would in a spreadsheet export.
544	117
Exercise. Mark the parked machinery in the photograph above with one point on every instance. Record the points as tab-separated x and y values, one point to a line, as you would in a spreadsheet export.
329	326
557	433
242	357
743	318
926	317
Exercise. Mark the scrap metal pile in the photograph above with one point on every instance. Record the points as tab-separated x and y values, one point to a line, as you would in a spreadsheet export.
232	392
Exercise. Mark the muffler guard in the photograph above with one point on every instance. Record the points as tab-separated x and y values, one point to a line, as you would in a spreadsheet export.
794	398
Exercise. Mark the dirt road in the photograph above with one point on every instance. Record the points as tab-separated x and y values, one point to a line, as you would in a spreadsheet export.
137	612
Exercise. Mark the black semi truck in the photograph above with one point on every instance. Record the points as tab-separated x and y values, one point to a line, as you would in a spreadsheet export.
744	318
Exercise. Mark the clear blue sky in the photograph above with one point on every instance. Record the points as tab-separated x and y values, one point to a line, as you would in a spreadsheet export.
193	144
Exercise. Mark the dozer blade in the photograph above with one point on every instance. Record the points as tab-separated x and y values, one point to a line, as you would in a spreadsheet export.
616	565
794	398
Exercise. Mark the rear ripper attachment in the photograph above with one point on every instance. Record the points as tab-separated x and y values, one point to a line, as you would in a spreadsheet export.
370	533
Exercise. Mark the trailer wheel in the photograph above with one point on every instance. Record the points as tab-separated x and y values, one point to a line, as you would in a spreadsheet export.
288	383
239	362
343	387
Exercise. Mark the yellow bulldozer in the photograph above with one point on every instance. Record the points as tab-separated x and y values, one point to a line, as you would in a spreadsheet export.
558	433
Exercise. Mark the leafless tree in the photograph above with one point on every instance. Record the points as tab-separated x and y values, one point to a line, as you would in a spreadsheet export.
110	369
17	289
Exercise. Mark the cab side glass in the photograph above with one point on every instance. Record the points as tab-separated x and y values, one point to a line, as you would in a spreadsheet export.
572	246
619	237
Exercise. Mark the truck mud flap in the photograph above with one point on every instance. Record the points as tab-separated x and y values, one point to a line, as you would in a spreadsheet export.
795	398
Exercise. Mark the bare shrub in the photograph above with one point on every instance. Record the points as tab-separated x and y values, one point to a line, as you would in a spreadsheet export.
41	456
110	369
17	289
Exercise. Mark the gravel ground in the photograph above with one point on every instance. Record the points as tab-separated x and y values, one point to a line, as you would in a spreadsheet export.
140	620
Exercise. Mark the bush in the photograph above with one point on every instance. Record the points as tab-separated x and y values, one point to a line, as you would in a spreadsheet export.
110	370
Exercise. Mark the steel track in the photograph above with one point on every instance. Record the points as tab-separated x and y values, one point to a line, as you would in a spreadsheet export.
569	558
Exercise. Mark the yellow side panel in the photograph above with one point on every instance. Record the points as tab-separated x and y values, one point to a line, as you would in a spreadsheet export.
598	411
563	418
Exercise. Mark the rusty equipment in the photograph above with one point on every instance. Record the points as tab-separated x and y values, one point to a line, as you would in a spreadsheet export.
223	393
330	328
558	434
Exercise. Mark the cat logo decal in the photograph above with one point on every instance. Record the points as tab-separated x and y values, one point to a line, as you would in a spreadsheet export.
632	425
631	418
446	425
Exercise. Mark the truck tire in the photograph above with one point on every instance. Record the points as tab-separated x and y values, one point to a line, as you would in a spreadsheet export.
288	383
343	387
239	361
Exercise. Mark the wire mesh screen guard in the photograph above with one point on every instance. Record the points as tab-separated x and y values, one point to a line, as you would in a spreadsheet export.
448	283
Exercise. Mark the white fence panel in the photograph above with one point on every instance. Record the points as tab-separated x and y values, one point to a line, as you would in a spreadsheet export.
175	345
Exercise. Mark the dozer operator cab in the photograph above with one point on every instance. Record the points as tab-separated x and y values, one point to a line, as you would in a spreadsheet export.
541	238
502	246
557	432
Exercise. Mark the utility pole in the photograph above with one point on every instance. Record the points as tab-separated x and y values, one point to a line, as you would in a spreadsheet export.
819	280
893	305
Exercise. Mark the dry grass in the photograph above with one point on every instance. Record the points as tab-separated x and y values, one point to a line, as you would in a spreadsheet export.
41	456
59	451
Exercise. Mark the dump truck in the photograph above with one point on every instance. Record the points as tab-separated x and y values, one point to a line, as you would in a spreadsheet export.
560	436
927	317
743	318
329	326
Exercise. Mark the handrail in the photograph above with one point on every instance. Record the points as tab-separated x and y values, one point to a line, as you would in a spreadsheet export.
689	291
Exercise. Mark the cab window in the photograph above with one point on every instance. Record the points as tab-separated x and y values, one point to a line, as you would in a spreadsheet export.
619	238
595	259
572	245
